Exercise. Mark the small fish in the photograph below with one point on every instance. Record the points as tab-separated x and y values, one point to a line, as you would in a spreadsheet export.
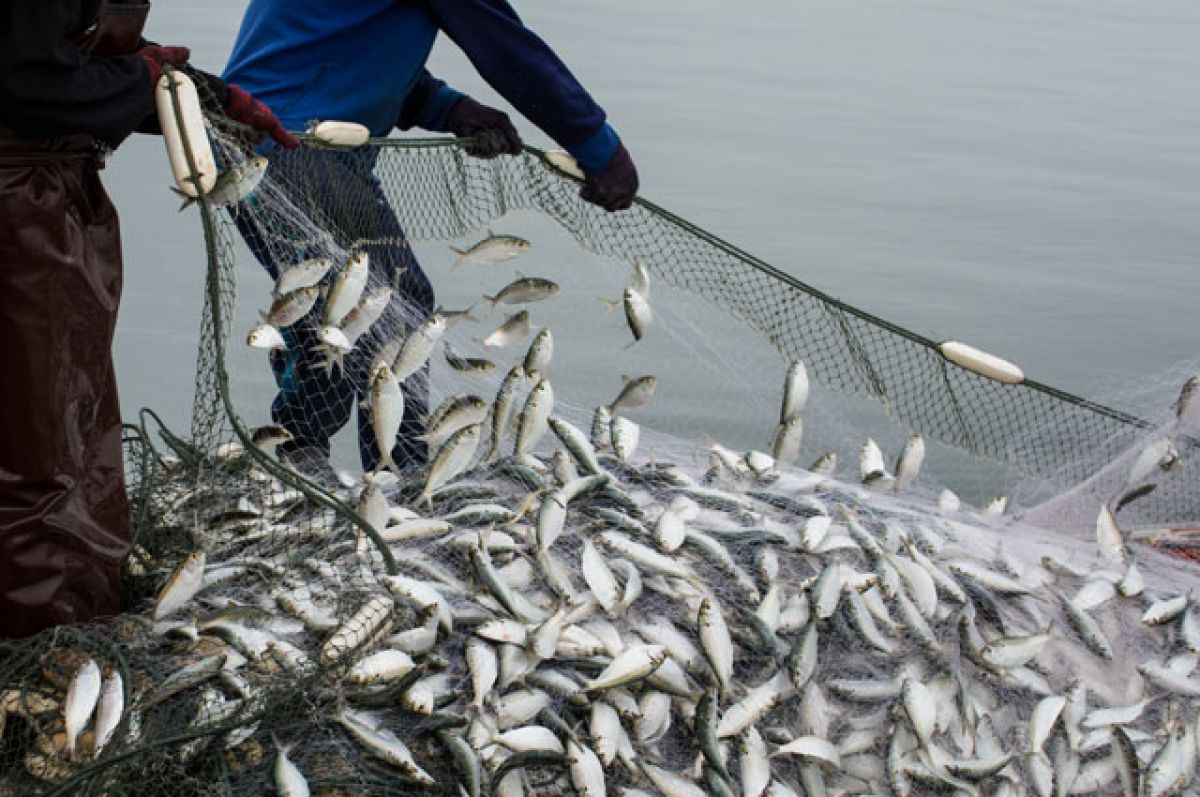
640	280
539	353
716	643
502	408
419	346
633	665
470	366
909	463
265	437
524	290
634	393
346	290
514	328
366	313
1159	453
451	459
1108	537
302	275
82	695
1006	653
109	710
290	308
386	403
265	336
456	316
785	448
182	586
813	748
456	413
825	465
1186	407
534	417
601	431
871	469
1164	611
289	780
795	391
638	314
492	250
587	773
233	184
624	436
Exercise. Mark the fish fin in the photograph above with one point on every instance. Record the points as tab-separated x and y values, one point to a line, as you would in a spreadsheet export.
493	300
609	304
188	201
625	380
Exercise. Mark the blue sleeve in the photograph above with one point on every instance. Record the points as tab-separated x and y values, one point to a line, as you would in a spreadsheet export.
525	71
427	104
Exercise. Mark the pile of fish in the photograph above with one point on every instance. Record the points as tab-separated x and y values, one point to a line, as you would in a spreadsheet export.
585	621
541	611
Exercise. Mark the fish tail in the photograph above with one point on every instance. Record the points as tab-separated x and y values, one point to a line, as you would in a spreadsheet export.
187	200
492	300
467	313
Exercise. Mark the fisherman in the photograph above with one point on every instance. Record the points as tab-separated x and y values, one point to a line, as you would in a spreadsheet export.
364	61
75	81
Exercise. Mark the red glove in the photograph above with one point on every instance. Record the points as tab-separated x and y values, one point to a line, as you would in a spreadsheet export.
241	107
155	56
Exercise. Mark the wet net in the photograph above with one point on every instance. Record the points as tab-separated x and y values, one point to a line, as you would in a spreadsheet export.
564	600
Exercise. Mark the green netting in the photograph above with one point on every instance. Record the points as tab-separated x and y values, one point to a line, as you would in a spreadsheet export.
536	569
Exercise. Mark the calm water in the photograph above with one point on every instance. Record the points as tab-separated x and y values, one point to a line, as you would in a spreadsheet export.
1021	176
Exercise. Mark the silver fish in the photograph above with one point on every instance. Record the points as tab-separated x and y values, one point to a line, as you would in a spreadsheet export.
638	314
524	290
302	275
346	290
502	407
291	307
492	250
109	710
387	412
182	586
541	350
82	695
534	417
640	280
468	366
452	459
634	393
265	336
795	391
514	328
418	346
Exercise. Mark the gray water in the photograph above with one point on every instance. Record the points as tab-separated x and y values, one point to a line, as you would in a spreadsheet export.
1022	176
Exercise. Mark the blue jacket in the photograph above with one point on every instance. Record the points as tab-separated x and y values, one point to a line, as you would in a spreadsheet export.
364	61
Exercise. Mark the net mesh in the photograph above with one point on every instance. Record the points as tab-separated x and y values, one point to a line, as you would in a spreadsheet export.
663	620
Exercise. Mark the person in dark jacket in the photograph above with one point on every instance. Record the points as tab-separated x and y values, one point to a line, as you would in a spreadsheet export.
74	83
364	61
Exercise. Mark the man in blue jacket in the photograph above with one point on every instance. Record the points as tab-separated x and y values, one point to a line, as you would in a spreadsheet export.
364	61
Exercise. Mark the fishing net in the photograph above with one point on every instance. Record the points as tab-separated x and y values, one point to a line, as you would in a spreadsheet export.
666	614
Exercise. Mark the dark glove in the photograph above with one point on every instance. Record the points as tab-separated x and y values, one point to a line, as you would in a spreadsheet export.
241	107
155	56
494	134
616	186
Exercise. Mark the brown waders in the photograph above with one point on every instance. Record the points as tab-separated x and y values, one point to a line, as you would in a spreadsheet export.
64	515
